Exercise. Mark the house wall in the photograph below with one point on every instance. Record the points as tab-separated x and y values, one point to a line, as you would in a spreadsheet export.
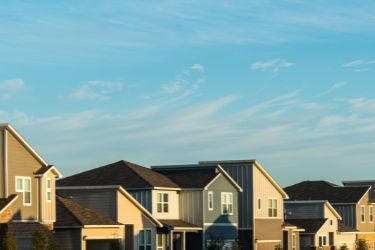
144	197
324	231
173	211
347	239
297	210
48	209
306	241
22	163
68	239
347	213
2	182
366	226
290	238
188	213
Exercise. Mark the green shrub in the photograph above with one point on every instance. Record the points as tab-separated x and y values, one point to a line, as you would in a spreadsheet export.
8	242
43	240
343	247
361	245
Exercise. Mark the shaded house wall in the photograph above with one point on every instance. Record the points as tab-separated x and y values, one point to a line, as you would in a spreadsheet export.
144	197
303	211
189	213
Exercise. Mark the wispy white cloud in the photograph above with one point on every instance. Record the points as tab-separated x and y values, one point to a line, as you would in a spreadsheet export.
197	67
333	88
274	65
333	120
362	105
358	63
97	89
10	87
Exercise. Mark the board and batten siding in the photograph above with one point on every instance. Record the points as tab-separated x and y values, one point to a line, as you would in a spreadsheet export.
48	209
100	200
243	175
189	213
173	211
303	210
144	197
347	213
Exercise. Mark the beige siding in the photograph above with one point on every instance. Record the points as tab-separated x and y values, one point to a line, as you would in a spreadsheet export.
2	182
22	163
48	209
347	239
103	233
128	213
268	229
173	211
264	190
324	231
191	214
366	226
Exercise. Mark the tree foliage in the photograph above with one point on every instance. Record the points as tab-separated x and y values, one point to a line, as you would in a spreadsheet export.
9	242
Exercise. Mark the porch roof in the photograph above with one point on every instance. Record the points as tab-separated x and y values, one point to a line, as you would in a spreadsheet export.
179	225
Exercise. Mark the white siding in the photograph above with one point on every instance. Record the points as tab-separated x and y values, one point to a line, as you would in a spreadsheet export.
173	211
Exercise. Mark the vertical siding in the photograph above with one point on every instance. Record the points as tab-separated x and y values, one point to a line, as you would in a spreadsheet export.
2	182
143	197
189	213
303	210
48	209
243	175
348	214
173	211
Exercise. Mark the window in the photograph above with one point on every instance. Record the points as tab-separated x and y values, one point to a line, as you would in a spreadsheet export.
145	239
160	242
23	185
210	200
371	214
259	203
363	214
48	188
322	241
226	203
162	202
331	222
272	207
294	242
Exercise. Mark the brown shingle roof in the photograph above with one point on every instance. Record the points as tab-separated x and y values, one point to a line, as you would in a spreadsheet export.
322	190
4	202
345	228
178	224
124	173
310	225
70	213
43	170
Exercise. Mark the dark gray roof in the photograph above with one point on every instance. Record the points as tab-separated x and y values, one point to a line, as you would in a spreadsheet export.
70	214
178	224
189	178
323	190
43	170
6	201
345	228
310	225
124	173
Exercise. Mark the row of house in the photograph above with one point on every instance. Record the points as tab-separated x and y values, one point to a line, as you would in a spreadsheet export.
228	204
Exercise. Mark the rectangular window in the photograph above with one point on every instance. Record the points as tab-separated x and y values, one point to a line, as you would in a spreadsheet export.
322	241
210	200
23	185
227	203
331	222
162	202
294	242
363	214
371	214
259	203
144	239
272	208
48	189
160	242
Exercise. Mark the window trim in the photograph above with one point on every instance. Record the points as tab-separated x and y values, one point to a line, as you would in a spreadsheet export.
23	191
276	208
222	203
371	214
162	202
49	190
259	203
324	243
363	214
144	244
210	194
294	241
163	241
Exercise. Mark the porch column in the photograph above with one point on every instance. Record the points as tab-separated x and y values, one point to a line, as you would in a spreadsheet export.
171	240
184	240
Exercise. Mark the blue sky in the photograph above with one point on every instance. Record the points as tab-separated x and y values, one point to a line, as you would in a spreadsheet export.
289	83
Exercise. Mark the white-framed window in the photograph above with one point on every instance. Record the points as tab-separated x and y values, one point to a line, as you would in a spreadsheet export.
48	190
322	241
210	200
23	185
272	207
160	242
162	202
363	211
144	239
371	214
294	242
259	203
227	203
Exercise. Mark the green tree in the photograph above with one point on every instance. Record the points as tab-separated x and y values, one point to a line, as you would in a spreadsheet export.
361	245
344	247
8	242
39	240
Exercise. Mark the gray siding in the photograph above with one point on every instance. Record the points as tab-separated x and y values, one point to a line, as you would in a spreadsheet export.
306	242
188	212
243	175
103	200
68	239
348	214
303	210
144	197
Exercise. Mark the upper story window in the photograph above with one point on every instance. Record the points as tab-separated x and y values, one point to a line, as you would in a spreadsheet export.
48	190
144	239
331	222
272	207
363	214
227	203
210	200
259	203
371	214
162	202
160	242
23	185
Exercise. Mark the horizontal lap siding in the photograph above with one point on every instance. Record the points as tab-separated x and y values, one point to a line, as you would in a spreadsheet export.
68	239
303	211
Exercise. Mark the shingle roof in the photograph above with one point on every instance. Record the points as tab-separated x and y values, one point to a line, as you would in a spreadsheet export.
43	169
124	173
70	213
178	224
310	225
323	190
4	202
189	178
345	228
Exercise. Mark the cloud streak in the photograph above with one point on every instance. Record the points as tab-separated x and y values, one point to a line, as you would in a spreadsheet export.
95	90
274	65
10	87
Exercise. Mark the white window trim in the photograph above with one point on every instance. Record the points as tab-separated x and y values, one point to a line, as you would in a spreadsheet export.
210	193
294	241
49	190
144	237
277	207
259	203
162	202
371	214
23	178
222	200
326	241
363	208
163	241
